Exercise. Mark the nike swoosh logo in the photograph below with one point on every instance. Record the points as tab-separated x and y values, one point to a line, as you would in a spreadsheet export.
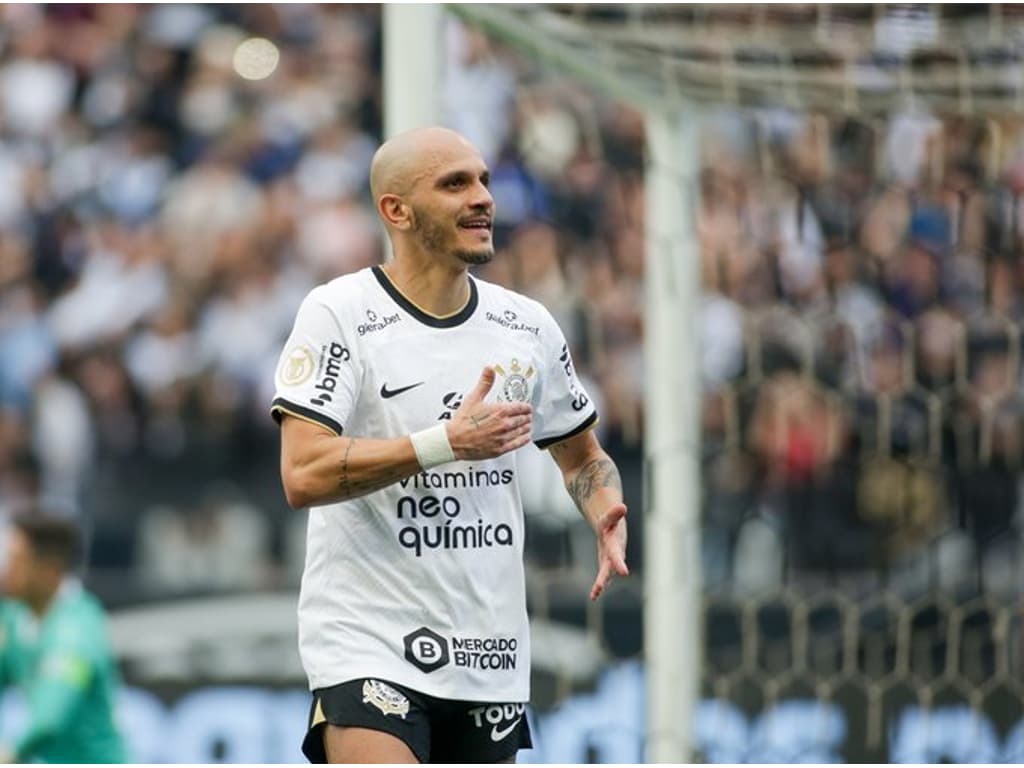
497	735
386	393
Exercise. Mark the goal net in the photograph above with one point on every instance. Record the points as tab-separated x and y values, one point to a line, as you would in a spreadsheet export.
843	184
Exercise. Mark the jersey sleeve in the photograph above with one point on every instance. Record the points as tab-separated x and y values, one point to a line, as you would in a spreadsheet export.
564	408
316	377
65	670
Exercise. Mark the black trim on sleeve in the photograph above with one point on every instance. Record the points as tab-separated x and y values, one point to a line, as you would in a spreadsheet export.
280	405
587	424
433	321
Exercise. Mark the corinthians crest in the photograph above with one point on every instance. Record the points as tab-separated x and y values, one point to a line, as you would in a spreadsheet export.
385	698
516	385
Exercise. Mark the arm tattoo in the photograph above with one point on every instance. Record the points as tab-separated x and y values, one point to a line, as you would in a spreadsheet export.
372	480
556	451
344	467
599	473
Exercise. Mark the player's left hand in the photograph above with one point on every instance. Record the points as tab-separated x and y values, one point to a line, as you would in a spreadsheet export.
611	548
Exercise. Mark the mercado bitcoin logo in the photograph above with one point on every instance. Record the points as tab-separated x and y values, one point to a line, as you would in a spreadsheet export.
426	649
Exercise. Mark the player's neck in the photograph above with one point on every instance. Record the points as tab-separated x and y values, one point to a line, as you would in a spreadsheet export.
438	289
41	599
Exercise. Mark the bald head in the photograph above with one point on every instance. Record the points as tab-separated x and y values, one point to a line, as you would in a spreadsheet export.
403	159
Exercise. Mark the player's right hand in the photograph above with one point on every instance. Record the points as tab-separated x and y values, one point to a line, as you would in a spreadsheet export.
480	430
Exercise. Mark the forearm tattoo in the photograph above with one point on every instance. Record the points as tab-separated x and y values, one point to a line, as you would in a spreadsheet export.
597	474
345	488
372	480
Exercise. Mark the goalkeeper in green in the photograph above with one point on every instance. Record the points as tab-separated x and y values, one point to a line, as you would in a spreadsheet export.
54	646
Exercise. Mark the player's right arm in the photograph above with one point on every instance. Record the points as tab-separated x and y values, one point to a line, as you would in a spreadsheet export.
9	615
56	689
321	467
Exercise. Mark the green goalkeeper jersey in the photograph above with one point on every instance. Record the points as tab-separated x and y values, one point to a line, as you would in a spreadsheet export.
64	665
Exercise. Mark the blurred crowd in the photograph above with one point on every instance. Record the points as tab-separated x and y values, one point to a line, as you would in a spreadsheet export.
161	218
863	397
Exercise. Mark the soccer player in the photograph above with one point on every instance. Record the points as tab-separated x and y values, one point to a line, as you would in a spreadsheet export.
54	646
402	393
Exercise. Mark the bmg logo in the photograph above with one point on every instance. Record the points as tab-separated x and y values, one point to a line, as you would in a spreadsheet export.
426	650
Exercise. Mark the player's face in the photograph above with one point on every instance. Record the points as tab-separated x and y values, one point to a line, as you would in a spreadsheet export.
20	566
454	210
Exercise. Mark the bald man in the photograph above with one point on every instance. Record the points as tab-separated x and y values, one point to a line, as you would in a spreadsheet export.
403	393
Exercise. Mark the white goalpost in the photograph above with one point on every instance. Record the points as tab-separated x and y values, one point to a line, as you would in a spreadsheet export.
413	62
672	569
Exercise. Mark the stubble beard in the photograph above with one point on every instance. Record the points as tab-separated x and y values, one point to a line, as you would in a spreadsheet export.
435	239
475	258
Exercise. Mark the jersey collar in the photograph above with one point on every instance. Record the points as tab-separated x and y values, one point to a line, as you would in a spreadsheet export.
448	321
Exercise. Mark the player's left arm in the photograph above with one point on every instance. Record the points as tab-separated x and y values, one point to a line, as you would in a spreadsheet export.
593	482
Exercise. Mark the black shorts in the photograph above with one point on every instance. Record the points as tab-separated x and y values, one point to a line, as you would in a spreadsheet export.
436	730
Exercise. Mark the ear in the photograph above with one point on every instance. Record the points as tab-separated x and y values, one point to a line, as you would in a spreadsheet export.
394	211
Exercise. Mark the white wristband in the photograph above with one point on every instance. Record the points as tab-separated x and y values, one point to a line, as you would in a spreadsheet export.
432	446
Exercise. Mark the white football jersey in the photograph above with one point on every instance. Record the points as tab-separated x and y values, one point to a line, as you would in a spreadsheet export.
422	583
